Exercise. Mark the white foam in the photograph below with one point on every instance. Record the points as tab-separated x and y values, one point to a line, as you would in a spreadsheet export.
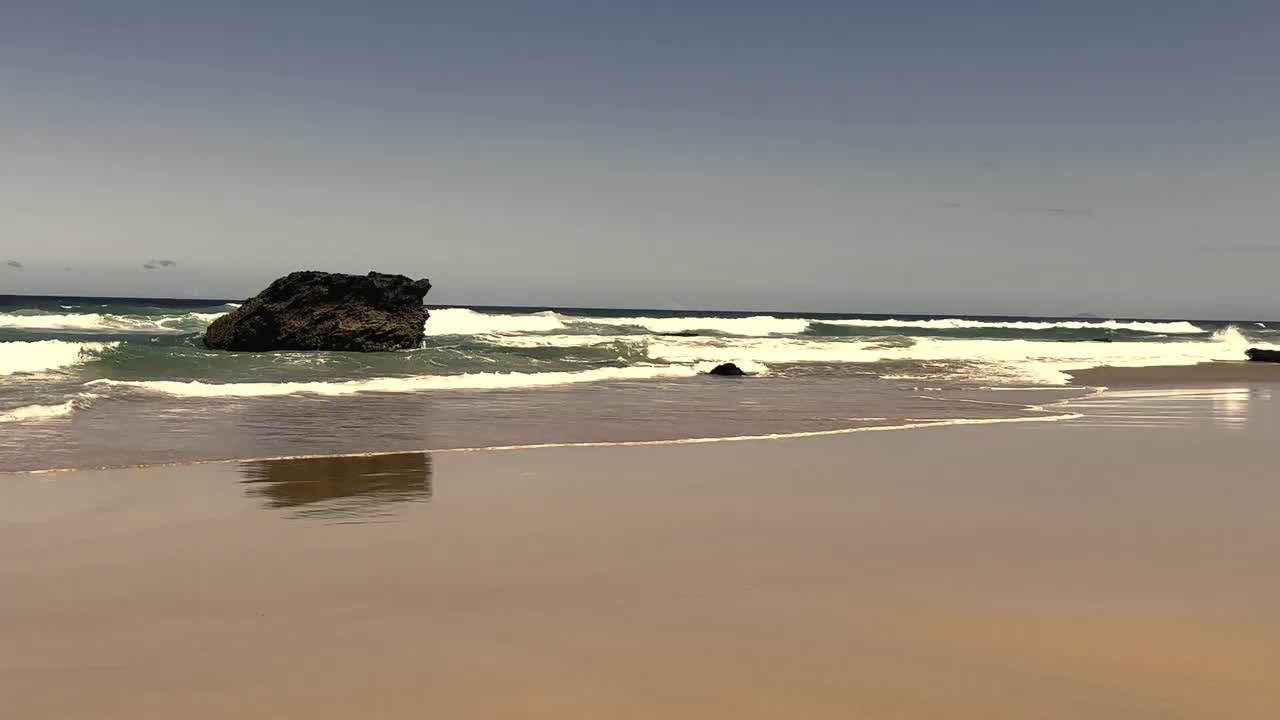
1164	393
1175	328
99	322
909	425
755	326
41	355
470	381
1043	362
461	321
38	412
565	341
636	341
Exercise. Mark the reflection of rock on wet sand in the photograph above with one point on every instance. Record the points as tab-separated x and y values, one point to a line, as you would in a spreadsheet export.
340	487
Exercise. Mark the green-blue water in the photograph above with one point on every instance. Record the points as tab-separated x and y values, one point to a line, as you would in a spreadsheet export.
96	381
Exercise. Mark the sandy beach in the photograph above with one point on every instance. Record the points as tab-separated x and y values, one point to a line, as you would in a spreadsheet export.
624	361
1046	570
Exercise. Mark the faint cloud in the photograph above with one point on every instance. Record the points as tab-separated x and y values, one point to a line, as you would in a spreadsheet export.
14	264
157	264
1239	250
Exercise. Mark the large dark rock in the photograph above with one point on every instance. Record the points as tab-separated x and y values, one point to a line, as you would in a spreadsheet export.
726	370
327	311
1260	355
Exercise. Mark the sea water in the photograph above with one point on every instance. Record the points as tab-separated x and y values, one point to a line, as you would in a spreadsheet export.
87	382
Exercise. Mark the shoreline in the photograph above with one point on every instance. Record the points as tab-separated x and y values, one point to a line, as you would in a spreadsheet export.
1090	382
1218	372
1045	412
710	440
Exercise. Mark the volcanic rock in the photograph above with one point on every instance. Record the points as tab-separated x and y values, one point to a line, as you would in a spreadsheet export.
313	310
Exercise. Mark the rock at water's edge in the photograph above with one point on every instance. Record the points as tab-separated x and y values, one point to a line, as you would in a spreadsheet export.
726	370
314	310
1260	355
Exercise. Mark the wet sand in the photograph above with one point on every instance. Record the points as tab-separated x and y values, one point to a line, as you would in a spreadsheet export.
1242	372
1047	570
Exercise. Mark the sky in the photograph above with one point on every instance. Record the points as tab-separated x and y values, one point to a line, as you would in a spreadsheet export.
934	156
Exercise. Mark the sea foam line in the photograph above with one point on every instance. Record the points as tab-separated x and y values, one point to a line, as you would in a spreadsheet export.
470	381
769	436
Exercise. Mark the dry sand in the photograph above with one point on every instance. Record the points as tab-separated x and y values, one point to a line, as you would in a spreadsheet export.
1046	571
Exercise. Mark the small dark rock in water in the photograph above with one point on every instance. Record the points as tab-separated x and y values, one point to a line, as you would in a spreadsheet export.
682	333
1260	355
1107	340
727	370
327	311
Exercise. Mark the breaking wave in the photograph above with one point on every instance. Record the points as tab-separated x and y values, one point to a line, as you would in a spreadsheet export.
1168	328
107	323
756	326
461	321
38	412
41	355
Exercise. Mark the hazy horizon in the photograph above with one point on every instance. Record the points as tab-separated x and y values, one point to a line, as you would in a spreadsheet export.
1078	314
944	158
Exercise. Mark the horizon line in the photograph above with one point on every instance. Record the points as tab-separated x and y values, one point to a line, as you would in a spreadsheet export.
1084	317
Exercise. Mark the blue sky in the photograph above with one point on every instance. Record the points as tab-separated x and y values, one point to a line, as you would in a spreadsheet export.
929	156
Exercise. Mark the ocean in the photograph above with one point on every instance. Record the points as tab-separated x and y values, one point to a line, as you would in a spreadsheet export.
104	382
